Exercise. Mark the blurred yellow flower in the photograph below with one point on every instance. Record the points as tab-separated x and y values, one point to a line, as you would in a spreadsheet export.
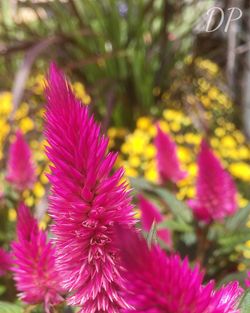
26	124
240	170
143	123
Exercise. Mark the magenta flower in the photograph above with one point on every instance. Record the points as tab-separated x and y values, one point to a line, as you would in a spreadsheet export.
157	283
20	167
34	257
86	201
166	157
215	189
149	214
247	280
5	261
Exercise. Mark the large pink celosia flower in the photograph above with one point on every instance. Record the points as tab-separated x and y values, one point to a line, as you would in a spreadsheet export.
160	283
35	273
5	261
166	157
215	189
150	214
86	201
20	167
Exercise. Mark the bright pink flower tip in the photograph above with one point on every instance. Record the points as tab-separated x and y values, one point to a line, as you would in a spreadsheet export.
215	190
87	199
35	274
166	157
247	280
157	283
5	261
20	167
149	214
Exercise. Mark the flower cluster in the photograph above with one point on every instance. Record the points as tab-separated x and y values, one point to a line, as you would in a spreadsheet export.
29	120
20	170
216	191
159	283
97	259
86	201
138	153
5	261
35	273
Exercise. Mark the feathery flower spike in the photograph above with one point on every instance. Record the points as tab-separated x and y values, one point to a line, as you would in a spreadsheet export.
247	280
158	283
166	157
34	269
5	261
86	201
215	190
20	167
149	214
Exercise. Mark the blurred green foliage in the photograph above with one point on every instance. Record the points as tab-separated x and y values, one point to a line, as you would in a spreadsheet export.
121	50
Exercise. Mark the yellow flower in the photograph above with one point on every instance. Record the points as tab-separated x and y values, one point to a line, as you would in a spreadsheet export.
246	254
244	152
192	138
39	190
241	267
131	172
239	136
184	154
12	215
37	84
137	214
150	151
192	169
81	93
29	201
22	111
125	148
44	178
134	161
220	132
240	170
143	123
151	175
213	93
5	103
164	126
26	124
228	142
175	126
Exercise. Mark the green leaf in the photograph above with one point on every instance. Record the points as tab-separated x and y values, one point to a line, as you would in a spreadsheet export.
140	184
239	219
176	225
151	238
7	307
231	240
244	305
2	289
178	208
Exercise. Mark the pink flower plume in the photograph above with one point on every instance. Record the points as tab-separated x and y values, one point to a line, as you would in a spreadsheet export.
35	274
157	283
166	157
5	261
86	201
247	280
149	214
20	167
215	190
